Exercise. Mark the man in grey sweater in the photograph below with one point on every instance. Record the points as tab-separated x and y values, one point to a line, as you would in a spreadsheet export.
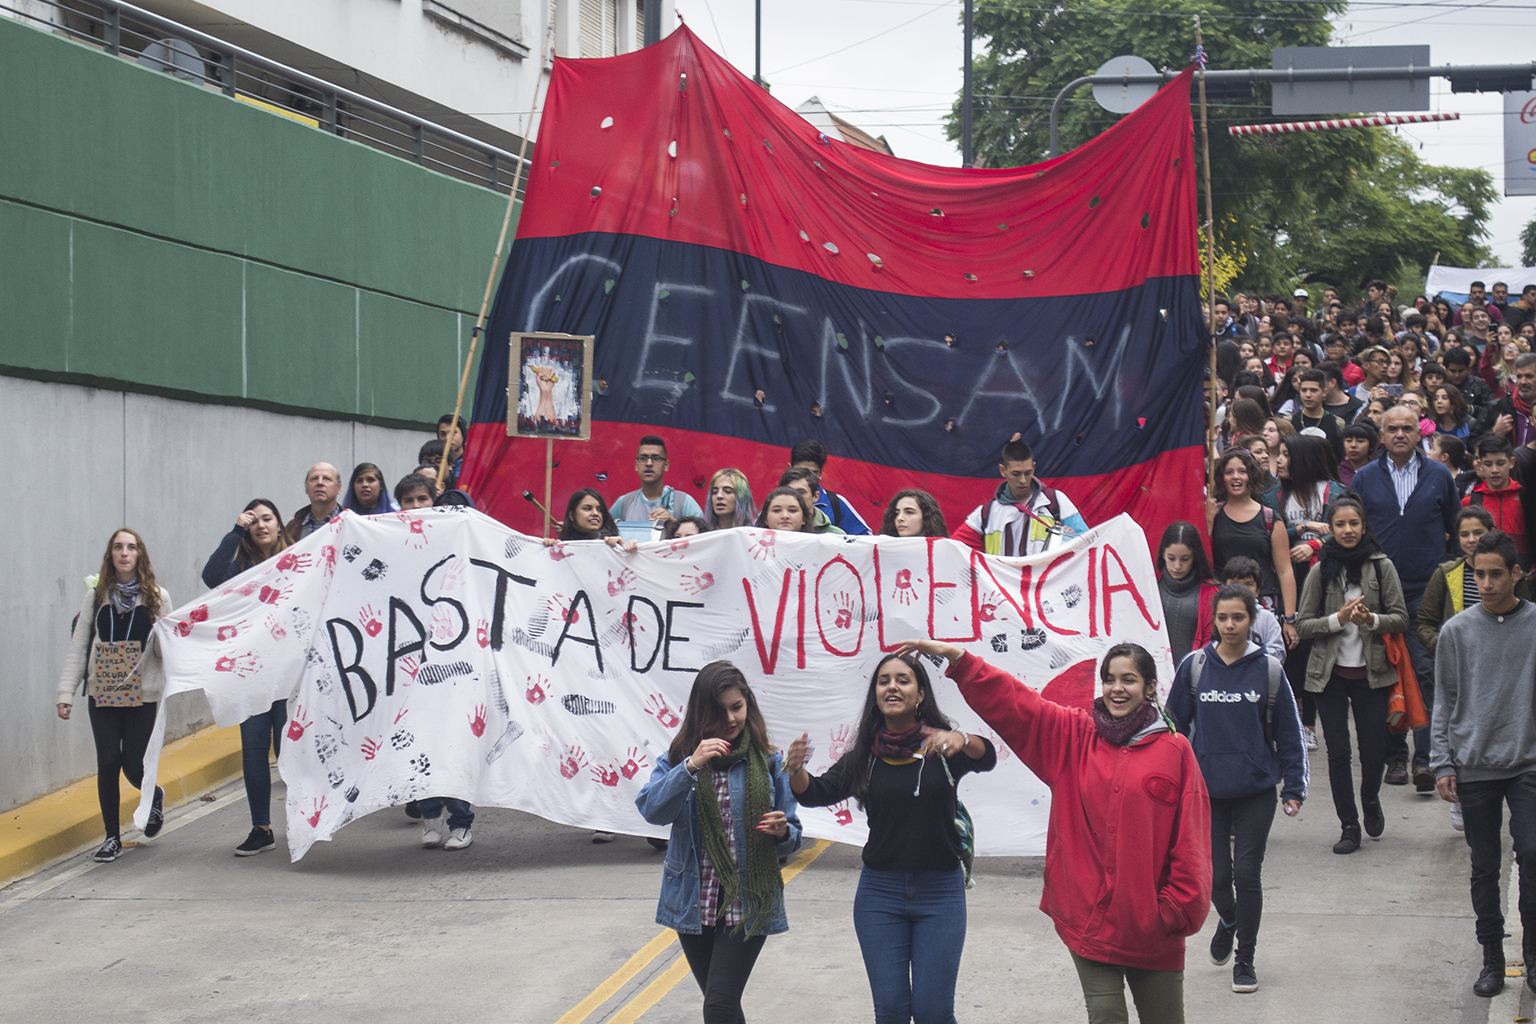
1483	744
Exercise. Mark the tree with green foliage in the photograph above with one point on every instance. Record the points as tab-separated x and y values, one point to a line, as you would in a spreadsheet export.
1336	207
1528	245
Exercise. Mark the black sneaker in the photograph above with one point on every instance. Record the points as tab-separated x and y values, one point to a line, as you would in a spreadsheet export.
109	851
259	841
657	844
1221	943
1349	841
1243	978
156	820
1375	820
412	811
1423	778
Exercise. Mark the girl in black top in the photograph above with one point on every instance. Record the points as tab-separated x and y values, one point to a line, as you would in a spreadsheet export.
257	536
587	518
909	912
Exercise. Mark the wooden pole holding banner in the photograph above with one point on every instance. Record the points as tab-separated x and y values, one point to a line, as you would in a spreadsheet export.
501	241
549	479
1210	263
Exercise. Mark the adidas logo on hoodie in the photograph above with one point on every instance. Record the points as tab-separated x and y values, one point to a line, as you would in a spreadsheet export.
1218	697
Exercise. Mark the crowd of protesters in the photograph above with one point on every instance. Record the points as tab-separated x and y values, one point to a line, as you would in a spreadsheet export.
1365	523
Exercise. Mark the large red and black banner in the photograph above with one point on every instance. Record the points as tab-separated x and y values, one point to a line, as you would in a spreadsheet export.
752	283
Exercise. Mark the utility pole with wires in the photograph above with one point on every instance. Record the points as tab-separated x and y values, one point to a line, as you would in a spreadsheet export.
1210	260
966	152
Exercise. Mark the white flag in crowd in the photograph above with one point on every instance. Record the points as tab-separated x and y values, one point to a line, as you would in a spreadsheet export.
438	653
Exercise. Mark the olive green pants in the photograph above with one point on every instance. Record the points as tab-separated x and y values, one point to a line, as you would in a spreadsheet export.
1159	995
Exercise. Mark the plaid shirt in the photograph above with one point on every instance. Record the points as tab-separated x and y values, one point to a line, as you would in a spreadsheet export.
709	885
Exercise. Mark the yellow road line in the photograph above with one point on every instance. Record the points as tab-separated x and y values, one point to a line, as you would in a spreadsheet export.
668	979
652	993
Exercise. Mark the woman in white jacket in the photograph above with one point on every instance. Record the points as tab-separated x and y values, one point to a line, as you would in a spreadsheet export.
113	633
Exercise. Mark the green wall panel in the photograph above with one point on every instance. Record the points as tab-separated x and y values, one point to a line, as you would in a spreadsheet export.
414	376
301	340
98	136
148	309
34	287
161	235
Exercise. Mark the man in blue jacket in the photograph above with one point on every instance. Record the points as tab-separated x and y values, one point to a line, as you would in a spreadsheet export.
1412	504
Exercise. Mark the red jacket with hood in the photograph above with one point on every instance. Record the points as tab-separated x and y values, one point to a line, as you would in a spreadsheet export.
1128	855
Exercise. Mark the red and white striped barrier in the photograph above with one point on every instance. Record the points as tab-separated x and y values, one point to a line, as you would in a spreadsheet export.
1379	121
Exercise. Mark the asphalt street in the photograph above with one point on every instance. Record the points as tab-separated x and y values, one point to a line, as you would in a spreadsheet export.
535	923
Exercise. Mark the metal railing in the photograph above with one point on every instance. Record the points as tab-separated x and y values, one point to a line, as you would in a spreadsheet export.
131	32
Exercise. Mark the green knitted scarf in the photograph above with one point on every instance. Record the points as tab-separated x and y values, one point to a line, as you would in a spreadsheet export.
764	883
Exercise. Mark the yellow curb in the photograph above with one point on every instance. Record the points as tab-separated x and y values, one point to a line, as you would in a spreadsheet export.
69	820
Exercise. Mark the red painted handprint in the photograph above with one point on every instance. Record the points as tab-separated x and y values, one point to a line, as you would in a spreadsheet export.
987	610
844	617
452	572
557	551
369	620
764	546
227	632
298	724
401	713
328	560
370	748
483	633
698	582
637	760
443	625
314	817
904	592
605	774
412	665
841	814
572	761
535	692
276	629
620	583
656	706
842	739
272	595
241	665
676	546
295	563
198	614
477	720
416	537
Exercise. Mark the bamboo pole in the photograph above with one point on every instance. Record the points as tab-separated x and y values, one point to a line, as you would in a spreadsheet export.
1210	262
549	480
501	241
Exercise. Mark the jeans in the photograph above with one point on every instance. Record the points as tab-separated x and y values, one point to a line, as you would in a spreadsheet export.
1370	708
1482	812
911	929
460	814
257	734
721	962
122	736
1239	833
1159	995
1424	669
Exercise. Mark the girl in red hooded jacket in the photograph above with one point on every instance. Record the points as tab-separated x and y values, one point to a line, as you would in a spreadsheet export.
1128	854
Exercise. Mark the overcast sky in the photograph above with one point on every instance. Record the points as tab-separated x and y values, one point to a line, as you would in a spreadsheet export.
893	67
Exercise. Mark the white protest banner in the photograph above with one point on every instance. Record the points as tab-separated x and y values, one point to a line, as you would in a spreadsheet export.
438	653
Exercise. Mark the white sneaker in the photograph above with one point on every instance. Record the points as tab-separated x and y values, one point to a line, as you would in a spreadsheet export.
602	837
1456	822
1309	737
432	832
459	839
